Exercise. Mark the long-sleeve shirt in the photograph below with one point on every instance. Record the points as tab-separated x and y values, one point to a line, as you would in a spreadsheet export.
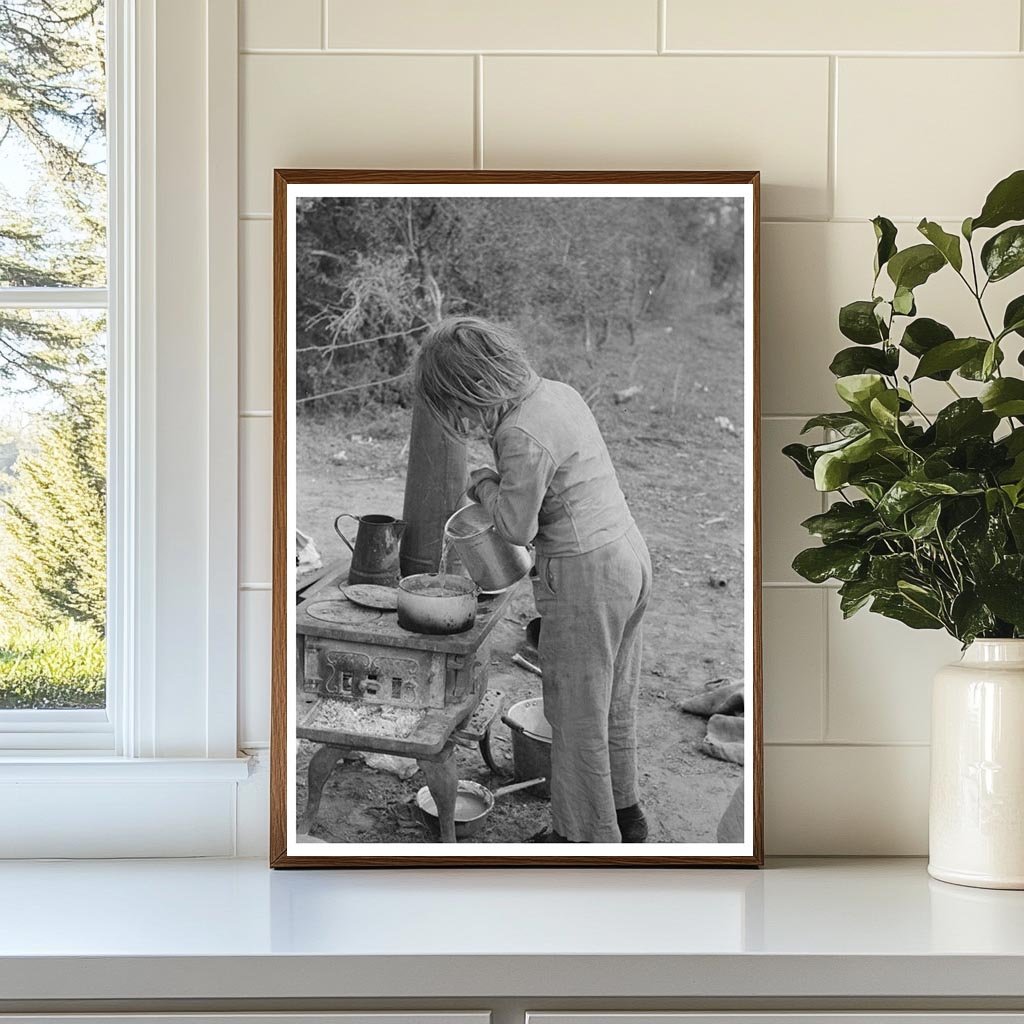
557	488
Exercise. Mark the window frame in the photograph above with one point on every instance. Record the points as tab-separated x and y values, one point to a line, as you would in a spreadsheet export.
172	507
93	729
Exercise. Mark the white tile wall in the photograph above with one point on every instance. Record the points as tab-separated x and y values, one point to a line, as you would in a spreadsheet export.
809	270
701	113
971	110
253	667
254	458
261	26
332	110
907	110
874	25
471	25
794	631
788	498
256	304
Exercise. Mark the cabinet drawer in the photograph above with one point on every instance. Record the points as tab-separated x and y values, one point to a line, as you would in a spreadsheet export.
934	1017
360	1017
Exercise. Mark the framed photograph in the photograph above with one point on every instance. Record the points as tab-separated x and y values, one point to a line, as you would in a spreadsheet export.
516	607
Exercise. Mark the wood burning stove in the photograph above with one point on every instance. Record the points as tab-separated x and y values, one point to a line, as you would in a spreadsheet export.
365	684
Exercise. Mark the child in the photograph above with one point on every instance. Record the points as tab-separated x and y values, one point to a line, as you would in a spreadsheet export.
555	487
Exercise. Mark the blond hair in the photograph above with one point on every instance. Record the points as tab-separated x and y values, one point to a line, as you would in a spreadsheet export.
467	361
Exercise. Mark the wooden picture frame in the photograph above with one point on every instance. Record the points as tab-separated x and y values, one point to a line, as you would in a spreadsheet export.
290	186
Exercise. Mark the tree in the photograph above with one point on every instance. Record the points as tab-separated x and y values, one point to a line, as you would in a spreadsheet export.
52	124
53	519
52	234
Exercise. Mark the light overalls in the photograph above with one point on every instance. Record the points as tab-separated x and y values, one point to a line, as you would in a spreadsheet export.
558	490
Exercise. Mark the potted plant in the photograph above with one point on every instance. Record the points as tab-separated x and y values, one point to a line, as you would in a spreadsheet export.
927	521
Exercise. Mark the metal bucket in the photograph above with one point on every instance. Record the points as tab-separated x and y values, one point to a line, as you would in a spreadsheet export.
491	561
531	742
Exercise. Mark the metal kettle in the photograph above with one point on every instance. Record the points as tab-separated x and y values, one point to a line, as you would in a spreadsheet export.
375	552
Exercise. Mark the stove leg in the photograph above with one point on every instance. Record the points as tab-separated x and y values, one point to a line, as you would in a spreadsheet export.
321	765
443	782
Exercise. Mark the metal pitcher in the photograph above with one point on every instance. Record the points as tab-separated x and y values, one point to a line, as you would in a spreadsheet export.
375	552
491	561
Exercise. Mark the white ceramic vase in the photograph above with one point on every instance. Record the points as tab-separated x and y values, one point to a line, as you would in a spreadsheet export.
976	815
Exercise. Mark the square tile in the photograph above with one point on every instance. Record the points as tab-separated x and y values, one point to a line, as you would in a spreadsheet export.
880	676
787	499
846	801
269	24
254	617
803	25
965	131
255	506
794	663
470	25
692	113
351	111
808	272
255	316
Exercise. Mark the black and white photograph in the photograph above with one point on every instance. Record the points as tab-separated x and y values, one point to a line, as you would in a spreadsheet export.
515	500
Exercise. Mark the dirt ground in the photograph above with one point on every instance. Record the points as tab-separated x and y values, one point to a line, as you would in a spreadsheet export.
682	472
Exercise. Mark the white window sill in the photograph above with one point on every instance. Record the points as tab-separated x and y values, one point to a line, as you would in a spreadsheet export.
79	767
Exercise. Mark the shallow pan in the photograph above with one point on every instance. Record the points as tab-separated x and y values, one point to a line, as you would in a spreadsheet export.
473	803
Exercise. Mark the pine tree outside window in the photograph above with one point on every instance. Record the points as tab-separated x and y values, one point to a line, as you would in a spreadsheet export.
53	370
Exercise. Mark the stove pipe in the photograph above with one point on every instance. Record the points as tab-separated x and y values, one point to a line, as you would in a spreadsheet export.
435	480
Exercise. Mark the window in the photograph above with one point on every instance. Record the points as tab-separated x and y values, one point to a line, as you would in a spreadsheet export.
53	373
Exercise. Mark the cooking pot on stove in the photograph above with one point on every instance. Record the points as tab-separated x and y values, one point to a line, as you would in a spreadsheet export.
493	563
439	605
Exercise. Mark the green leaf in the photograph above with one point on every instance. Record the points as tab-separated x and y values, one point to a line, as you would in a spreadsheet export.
854	594
831	471
887	570
906	494
925	518
903	302
950	355
1013	317
840	561
970	617
990	360
799	455
1005	596
858	389
849	361
966	417
1005	202
885	409
885	237
857	321
965	229
912	267
974	368
897	607
1003	254
923	335
1004	397
843	521
841	421
947	244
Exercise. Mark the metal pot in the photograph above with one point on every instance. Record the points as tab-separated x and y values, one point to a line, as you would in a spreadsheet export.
531	740
439	605
492	562
473	803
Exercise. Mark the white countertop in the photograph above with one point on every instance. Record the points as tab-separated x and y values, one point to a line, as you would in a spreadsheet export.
234	929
